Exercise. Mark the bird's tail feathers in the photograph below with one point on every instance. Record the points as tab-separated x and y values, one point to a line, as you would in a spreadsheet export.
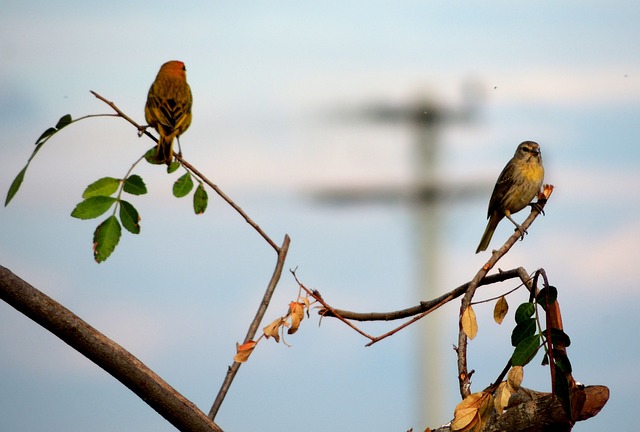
488	233
164	152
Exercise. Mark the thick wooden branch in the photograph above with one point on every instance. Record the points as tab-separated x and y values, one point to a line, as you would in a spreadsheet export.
104	352
542	412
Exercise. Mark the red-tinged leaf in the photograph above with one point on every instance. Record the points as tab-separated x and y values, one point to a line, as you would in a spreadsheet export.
244	351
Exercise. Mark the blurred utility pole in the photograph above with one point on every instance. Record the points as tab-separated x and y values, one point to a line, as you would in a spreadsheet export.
428	191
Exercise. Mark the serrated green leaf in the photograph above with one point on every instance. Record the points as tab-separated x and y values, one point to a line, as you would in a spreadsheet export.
523	330
135	185
106	186
524	311
46	134
15	185
129	217
173	166
526	350
93	207
64	121
106	238
182	186
150	156
200	199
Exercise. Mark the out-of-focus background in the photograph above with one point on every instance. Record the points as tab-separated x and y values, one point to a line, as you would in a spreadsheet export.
293	101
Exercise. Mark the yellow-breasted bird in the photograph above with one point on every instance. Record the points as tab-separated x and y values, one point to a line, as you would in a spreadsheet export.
168	108
519	183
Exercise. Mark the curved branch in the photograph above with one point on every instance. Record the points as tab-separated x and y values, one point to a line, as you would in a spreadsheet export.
424	306
104	352
237	208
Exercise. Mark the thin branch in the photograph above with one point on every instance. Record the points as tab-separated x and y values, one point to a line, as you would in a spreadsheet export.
424	306
104	352
253	328
190	167
229	201
464	378
316	295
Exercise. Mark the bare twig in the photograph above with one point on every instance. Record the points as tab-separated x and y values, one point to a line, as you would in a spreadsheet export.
229	201
104	352
197	173
464	379
316	295
253	328
417	312
424	306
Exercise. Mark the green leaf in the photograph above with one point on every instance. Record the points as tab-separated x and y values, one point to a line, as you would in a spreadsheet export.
523	330
526	350
135	185
547	296
15	185
173	167
150	156
562	361
129	217
200	199
46	134
106	186
64	121
525	311
92	207
561	390
182	186
106	238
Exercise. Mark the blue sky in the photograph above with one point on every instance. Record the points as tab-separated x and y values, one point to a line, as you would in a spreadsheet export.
267	79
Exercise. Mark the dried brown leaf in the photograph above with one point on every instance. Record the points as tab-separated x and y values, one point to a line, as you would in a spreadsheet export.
469	323
273	329
515	376
297	314
501	397
467	414
244	351
500	310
